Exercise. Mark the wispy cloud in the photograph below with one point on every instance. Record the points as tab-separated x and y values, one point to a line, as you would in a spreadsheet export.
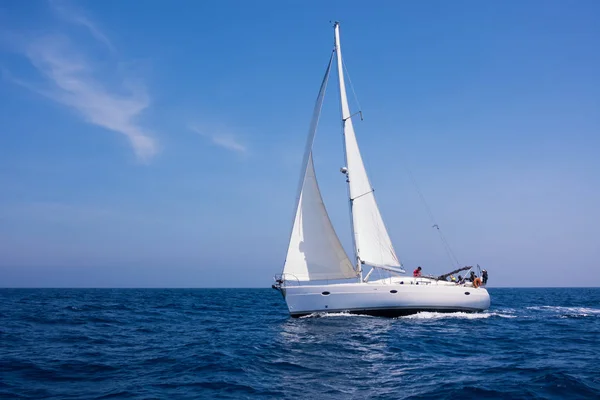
222	138
77	17
71	79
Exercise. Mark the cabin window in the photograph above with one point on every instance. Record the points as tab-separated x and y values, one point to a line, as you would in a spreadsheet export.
393	291
467	293
325	293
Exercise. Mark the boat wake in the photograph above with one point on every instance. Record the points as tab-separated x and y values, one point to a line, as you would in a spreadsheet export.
456	315
331	314
420	315
568	312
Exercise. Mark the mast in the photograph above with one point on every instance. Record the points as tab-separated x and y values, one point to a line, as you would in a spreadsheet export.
345	111
372	243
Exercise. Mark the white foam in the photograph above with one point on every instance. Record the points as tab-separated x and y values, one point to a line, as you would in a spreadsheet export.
456	315
567	311
332	314
420	315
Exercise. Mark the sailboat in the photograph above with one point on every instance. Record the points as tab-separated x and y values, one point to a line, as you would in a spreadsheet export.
318	276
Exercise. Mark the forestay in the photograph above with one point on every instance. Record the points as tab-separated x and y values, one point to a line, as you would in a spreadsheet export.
373	244
315	251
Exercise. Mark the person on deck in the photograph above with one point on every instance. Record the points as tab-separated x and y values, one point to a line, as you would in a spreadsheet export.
452	278
417	272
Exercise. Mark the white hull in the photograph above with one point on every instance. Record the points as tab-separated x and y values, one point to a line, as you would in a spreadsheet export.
386	297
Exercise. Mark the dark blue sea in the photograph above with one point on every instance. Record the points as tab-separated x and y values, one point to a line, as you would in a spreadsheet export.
241	343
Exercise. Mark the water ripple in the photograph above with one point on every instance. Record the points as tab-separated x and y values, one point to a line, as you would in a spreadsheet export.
229	343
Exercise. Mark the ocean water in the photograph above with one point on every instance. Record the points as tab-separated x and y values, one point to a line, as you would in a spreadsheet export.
241	343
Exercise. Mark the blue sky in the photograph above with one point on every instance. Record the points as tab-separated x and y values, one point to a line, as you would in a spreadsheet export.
158	144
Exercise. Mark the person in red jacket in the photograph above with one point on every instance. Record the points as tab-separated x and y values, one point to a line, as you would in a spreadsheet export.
417	272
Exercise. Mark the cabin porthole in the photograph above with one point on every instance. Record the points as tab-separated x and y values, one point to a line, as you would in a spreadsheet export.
393	291
325	293
467	293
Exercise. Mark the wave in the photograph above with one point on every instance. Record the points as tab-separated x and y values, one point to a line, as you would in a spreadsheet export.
73	344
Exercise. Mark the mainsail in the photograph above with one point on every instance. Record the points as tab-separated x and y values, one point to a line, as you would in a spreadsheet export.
372	242
315	251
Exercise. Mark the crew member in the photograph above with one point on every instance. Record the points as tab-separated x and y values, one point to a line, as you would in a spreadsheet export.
417	272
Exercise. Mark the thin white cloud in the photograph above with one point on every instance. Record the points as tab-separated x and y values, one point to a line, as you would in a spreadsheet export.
223	139
77	17
73	81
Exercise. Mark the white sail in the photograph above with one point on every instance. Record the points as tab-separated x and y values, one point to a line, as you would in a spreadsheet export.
372	242
315	251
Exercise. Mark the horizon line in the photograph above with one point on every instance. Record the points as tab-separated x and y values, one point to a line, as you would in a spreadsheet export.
259	287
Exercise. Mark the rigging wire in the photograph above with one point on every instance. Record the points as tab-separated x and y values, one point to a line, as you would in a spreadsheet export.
447	248
352	87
